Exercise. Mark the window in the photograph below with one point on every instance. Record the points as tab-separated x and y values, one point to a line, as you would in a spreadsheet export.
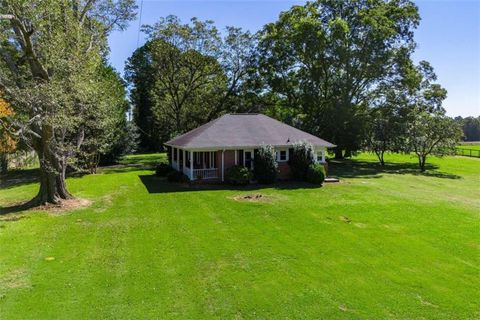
282	156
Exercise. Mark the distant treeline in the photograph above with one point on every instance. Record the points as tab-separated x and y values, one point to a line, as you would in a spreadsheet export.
470	127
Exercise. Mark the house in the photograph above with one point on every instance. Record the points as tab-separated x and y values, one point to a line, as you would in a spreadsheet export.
209	150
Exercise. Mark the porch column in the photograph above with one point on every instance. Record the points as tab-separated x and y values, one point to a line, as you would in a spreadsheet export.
171	153
183	158
236	151
223	160
178	159
191	165
323	155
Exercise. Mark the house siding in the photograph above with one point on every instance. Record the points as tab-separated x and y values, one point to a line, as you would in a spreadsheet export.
284	172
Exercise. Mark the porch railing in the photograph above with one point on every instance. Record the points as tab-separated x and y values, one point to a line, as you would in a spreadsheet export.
205	173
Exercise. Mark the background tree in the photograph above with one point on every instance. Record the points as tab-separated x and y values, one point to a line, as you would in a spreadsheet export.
432	134
186	75
470	127
323	59
188	87
50	51
140	75
428	131
104	122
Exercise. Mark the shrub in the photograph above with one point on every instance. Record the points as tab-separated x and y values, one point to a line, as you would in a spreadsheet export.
162	169
265	165
316	173
238	175
176	176
302	157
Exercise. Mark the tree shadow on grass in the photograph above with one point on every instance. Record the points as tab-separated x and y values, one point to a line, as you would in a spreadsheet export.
155	184
17	208
18	177
366	169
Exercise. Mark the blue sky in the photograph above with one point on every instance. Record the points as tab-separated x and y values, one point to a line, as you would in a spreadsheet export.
448	37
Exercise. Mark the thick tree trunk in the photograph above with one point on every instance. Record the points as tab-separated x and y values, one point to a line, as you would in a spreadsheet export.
338	153
52	172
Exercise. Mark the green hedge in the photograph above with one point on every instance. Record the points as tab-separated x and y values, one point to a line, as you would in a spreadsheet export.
265	165
238	175
301	158
316	173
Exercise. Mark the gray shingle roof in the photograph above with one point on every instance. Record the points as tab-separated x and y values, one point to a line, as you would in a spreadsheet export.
244	130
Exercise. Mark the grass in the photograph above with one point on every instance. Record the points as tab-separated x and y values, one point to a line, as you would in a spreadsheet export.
384	243
469	146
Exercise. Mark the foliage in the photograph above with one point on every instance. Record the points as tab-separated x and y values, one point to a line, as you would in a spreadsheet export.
470	127
301	158
107	135
322	60
265	167
177	176
125	141
186	75
238	175
52	53
354	245
316	173
432	134
162	169
141	77
7	143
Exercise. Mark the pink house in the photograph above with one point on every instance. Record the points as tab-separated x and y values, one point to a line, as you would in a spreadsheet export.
209	150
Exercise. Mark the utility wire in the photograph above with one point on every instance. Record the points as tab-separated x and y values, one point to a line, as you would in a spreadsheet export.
139	23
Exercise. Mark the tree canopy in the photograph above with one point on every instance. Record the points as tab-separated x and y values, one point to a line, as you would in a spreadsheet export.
186	75
51	55
323	59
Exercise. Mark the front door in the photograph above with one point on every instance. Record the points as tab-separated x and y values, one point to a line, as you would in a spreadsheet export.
248	159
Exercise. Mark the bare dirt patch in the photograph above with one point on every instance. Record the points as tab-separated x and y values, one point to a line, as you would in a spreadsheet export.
256	197
15	279
66	205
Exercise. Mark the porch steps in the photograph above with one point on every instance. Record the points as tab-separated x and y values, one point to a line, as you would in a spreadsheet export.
331	180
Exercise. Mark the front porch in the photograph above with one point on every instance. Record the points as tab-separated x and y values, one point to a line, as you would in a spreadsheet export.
204	165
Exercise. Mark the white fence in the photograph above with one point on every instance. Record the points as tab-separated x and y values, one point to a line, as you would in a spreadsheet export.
205	173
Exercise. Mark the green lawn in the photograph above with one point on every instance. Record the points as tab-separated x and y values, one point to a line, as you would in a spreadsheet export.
384	243
469	146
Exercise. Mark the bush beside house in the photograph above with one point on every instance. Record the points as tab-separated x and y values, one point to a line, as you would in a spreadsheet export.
316	173
265	165
302	156
238	175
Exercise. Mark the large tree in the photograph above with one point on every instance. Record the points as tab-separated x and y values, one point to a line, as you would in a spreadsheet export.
50	55
185	75
323	59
